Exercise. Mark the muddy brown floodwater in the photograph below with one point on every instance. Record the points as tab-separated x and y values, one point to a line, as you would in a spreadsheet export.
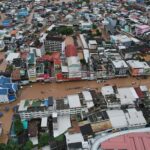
59	90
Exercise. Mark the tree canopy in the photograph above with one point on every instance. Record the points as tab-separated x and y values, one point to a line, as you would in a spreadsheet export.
18	126
28	145
44	139
66	31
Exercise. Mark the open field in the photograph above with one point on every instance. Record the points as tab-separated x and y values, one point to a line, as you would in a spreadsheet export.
58	90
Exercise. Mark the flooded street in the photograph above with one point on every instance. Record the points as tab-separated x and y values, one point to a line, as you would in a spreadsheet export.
58	90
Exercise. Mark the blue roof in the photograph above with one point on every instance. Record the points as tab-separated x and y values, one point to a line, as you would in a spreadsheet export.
4	80
3	91
7	85
46	102
11	98
23	12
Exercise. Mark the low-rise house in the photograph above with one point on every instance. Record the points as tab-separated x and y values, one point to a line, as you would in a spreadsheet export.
127	96
140	29
121	39
8	40
86	26
92	44
8	90
138	68
111	99
60	124
33	126
120	68
130	118
44	124
76	141
11	56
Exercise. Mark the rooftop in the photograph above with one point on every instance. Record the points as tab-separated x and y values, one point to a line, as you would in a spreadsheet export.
74	101
131	141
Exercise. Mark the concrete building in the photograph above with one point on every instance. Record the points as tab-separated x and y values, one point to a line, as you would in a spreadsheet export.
54	43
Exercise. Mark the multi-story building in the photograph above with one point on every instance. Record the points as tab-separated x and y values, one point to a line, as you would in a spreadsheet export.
70	105
29	109
54	43
31	66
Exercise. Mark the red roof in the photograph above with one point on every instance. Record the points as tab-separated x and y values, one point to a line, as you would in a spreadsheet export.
57	62
45	76
71	51
131	141
59	76
51	58
139	92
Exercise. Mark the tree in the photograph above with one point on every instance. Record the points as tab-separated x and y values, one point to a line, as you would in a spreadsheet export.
28	145
18	126
44	139
98	33
11	145
94	26
66	31
2	146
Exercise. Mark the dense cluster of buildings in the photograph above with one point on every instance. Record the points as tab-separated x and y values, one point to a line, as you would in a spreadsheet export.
89	113
53	41
70	41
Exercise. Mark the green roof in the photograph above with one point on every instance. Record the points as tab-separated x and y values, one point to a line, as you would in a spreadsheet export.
36	103
26	103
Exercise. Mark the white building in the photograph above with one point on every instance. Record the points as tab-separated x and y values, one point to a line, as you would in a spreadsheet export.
88	99
74	67
12	56
28	108
130	118
127	96
92	44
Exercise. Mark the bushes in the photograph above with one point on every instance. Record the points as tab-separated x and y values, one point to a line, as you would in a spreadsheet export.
66	31
44	139
18	126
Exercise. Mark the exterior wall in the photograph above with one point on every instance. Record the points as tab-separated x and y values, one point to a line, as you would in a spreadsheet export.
4	99
54	46
121	71
46	113
139	71
32	74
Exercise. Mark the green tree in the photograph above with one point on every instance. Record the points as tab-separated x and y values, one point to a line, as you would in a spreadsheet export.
11	145
18	126
44	139
94	26
2	146
66	31
28	145
98	33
